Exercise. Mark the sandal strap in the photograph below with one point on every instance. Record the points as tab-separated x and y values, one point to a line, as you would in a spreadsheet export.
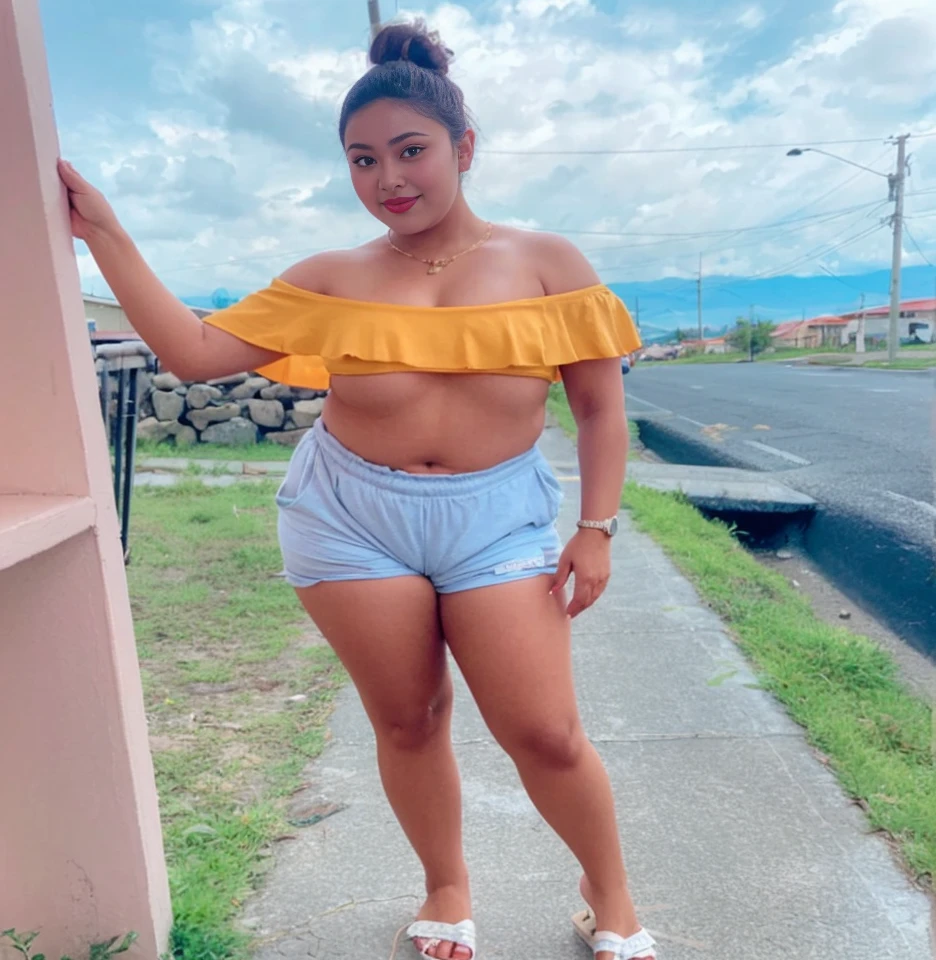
640	945
461	933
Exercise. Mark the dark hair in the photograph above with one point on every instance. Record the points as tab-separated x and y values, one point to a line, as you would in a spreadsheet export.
410	64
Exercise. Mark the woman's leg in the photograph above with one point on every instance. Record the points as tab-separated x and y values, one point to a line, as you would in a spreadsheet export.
512	644
387	635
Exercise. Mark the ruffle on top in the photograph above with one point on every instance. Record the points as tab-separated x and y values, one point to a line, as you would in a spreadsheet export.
323	335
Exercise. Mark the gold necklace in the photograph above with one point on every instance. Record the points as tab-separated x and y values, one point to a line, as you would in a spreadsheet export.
436	266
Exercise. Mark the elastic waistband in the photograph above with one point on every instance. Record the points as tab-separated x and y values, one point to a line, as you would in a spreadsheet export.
421	484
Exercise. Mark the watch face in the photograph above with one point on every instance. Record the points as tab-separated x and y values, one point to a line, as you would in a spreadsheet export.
613	529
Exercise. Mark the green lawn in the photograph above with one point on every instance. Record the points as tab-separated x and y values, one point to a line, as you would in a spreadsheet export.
904	363
843	689
223	644
214	451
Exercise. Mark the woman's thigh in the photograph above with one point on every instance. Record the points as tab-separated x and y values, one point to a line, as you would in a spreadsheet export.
512	643
387	635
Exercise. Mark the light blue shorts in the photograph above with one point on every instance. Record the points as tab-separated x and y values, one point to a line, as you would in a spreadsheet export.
344	518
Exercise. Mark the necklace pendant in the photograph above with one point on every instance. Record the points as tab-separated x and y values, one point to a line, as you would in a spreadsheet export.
435	267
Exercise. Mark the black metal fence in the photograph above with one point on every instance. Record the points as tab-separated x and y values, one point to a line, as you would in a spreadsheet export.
118	367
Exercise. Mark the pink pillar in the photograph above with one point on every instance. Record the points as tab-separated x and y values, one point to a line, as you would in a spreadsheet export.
81	855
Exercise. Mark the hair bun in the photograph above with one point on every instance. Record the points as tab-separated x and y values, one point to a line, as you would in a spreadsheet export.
412	42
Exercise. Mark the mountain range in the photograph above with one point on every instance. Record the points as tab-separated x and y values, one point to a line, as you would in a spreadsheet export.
662	306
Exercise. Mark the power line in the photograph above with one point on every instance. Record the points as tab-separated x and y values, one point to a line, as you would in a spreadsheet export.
819	218
636	151
835	276
712	233
919	251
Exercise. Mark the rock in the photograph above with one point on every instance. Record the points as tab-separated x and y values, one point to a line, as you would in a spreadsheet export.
249	388
232	433
304	393
267	413
287	438
167	405
166	381
845	615
231	381
152	429
185	436
784	555
144	384
278	391
200	395
201	418
795	583
298	698
306	412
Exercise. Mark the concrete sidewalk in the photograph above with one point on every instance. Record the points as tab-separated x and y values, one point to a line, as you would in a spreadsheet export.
739	842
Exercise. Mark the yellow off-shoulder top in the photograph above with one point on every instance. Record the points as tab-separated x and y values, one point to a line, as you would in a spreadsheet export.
323	335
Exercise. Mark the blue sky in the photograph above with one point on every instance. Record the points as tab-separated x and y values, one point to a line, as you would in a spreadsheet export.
210	125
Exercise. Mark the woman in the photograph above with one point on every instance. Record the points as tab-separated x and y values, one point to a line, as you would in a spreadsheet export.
399	536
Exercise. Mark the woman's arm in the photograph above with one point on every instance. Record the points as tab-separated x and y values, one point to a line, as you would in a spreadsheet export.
596	397
189	348
595	390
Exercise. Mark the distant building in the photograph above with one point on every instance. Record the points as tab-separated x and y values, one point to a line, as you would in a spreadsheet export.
917	321
796	334
831	331
109	319
709	345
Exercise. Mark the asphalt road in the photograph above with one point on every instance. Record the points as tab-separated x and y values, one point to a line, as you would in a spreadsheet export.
860	442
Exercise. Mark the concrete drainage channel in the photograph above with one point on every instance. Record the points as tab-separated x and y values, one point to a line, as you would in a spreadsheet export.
893	580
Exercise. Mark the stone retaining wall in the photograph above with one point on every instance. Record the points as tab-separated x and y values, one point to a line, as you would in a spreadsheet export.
234	410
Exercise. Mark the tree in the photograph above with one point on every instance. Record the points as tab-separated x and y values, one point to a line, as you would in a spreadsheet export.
682	335
744	333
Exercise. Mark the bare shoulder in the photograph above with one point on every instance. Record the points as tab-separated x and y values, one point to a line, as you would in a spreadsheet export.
323	272
561	266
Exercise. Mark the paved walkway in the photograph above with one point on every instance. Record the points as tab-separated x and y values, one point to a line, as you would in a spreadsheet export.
740	844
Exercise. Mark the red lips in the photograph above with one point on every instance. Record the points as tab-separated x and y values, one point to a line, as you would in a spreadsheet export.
400	204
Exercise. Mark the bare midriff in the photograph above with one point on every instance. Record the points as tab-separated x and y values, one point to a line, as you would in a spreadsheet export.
436	422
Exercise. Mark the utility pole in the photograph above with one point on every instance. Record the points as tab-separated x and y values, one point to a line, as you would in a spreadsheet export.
860	335
897	181
699	298
373	11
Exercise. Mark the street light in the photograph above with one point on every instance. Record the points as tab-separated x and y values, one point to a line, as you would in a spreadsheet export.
896	183
799	151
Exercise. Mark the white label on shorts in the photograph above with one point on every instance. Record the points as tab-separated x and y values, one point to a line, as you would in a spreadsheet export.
513	566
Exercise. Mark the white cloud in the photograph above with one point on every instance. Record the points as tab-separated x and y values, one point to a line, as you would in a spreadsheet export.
752	17
246	173
537	8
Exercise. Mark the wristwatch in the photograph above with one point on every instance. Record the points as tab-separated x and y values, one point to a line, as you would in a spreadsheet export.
609	526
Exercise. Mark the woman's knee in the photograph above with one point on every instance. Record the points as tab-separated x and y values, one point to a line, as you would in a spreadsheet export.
412	724
557	744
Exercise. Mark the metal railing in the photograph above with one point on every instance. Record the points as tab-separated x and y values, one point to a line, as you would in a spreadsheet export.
118	367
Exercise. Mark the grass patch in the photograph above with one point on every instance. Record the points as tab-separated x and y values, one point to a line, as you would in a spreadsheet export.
215	451
904	363
785	353
223	644
842	688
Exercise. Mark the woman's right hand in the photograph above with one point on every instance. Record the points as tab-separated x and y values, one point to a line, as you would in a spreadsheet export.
91	214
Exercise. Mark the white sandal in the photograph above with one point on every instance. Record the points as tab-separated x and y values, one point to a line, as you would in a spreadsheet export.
462	934
639	946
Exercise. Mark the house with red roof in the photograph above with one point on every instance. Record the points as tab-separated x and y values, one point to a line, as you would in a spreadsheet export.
917	320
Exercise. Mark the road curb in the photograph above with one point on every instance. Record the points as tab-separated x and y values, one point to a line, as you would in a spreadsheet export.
870	563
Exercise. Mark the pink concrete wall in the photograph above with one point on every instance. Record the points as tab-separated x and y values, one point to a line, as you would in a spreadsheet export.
80	844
